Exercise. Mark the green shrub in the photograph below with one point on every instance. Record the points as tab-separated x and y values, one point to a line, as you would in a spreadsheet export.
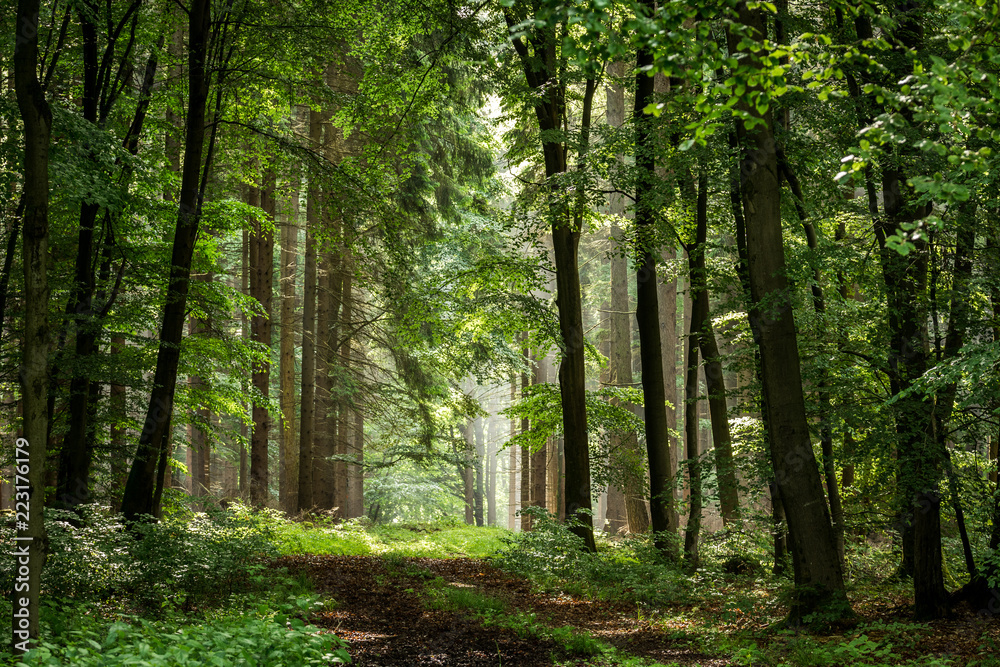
180	562
229	642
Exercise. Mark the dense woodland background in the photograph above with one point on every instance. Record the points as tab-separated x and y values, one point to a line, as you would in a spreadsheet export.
680	269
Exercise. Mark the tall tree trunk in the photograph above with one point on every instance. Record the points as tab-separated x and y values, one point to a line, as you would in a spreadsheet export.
818	574
822	385
512	472
525	452
648	314
154	439
198	448
355	471
37	117
666	297
480	452
345	432
467	471
309	338
538	458
324	433
714	377
542	74
262	289
76	453
116	440
692	532
245	334
491	469
289	492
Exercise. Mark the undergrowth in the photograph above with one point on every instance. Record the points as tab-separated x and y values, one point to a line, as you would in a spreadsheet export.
191	589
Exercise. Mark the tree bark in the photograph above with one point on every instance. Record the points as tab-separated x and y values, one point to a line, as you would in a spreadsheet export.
262	289
154	440
345	431
538	473
309	338
37	117
491	470
823	392
542	70
648	315
289	492
818	574
714	378
692	532
324	433
480	452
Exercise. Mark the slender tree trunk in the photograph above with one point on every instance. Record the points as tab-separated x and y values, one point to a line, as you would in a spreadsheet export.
512	474
289	239
525	452
818	574
714	377
154	439
480	451
648	316
262	289
118	446
356	477
37	117
491	470
542	74
245	334
823	392
309	338
692	532
538	473
344	431
324	433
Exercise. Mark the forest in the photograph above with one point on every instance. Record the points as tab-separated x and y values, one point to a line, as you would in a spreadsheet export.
517	332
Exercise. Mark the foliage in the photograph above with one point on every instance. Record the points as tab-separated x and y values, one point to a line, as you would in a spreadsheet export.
551	556
235	640
177	563
445	539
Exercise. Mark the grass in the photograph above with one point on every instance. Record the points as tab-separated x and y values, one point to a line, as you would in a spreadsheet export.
401	540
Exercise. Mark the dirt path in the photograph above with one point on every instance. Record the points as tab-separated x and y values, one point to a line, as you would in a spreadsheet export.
382	612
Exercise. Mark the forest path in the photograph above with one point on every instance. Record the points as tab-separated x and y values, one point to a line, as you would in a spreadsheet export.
407	611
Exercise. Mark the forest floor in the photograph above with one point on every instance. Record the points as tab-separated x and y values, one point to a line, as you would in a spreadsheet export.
459	612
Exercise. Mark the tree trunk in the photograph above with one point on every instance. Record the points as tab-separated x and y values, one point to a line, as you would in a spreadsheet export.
714	378
467	469
512	472
525	452
818	575
154	439
823	392
648	316
262	289
480	452
324	433
29	483
542	74
538	461
345	431
355	471
289	492
309	338
692	532
117	443
491	470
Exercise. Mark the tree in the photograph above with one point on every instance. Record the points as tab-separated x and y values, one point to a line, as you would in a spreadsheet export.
818	575
537	51
37	117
